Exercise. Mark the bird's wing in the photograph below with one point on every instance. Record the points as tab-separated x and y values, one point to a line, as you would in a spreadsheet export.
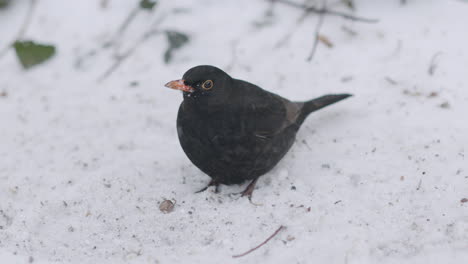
269	114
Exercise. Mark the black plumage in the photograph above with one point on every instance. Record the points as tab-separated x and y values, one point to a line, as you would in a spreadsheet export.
233	130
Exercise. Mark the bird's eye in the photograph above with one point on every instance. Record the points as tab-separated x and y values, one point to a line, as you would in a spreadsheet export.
207	85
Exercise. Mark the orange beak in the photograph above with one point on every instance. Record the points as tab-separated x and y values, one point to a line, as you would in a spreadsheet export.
179	85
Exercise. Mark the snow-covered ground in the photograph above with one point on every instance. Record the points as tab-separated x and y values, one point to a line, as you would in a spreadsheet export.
377	178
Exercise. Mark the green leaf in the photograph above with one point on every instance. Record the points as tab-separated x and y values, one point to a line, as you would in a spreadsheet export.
147	4
176	41
4	3
30	53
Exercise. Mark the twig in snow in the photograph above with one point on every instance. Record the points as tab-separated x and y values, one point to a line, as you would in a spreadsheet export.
317	32
391	81
23	28
262	244
349	31
130	17
306	144
114	40
433	64
325	41
321	12
27	19
326	11
299	21
234	45
119	59
419	185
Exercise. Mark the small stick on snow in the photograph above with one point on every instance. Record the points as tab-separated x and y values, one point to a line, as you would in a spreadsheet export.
391	81
317	33
23	28
325	11
263	243
286	38
419	185
433	64
113	42
325	41
119	59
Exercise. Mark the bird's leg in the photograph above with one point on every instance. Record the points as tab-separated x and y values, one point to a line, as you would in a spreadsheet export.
250	188
211	183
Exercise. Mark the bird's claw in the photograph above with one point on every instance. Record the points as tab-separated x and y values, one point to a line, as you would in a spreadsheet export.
249	191
211	183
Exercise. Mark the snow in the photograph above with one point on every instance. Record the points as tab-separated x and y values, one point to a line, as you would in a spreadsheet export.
85	164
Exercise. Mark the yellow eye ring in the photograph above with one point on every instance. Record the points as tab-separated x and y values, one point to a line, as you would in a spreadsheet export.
207	85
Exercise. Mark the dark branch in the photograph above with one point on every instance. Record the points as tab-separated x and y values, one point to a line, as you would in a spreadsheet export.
325	11
128	20
286	38
317	34
119	59
23	28
113	41
263	243
433	64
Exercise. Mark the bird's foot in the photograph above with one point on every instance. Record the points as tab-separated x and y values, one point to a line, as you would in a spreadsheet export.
249	191
211	183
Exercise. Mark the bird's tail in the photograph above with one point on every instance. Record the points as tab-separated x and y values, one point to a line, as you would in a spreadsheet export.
319	103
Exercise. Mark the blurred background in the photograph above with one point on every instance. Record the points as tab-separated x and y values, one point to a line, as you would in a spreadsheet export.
89	152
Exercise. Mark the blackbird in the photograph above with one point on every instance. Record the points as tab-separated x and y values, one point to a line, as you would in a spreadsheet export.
233	130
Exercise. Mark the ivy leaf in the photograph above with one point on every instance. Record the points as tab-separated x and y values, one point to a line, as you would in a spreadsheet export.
4	3
147	4
176	41
30	53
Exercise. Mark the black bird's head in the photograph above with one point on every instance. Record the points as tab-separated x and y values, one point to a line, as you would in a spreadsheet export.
202	83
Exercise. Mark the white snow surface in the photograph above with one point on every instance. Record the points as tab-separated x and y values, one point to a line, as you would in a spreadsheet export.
377	178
